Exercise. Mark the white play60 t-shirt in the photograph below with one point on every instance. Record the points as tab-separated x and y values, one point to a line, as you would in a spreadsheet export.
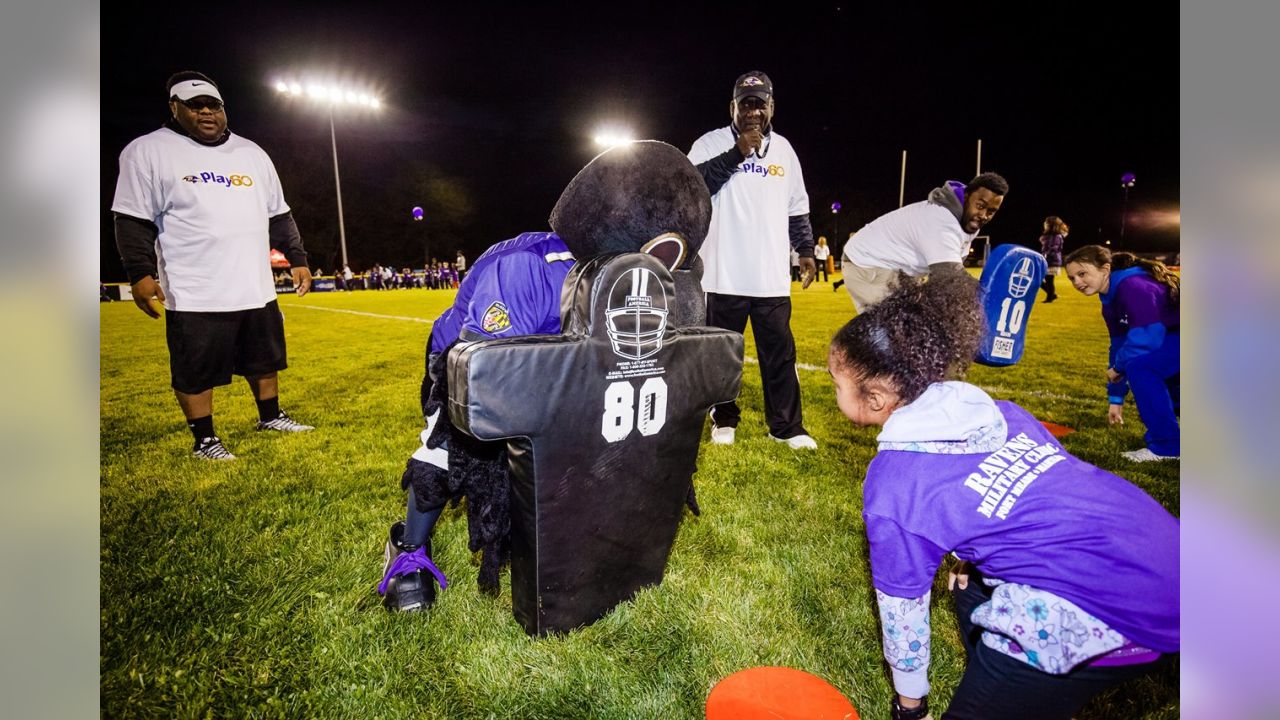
212	206
748	246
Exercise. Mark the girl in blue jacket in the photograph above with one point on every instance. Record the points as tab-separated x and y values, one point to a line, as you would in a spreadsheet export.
1140	305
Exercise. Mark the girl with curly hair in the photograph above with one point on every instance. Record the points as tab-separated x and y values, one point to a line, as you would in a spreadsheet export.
1141	307
1068	581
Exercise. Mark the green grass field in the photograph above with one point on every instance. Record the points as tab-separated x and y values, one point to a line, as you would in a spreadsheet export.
246	589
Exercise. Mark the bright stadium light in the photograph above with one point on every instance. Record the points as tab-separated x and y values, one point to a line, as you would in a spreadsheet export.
612	134
612	138
334	95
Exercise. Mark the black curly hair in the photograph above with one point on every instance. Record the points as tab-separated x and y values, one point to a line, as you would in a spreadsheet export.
989	180
922	333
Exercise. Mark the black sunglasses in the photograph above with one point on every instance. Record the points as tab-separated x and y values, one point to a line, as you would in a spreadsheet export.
198	104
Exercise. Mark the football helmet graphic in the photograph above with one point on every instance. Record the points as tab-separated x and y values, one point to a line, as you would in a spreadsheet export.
1020	280
636	316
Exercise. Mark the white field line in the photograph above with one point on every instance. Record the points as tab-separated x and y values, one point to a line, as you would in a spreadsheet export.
993	390
360	312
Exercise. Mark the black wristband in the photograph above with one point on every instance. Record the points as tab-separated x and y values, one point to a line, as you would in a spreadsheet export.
916	713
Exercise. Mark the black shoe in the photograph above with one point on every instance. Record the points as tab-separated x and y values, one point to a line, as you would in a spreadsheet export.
1050	299
413	591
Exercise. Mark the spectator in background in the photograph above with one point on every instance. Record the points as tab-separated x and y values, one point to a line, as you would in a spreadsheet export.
461	266
1055	234
347	277
821	256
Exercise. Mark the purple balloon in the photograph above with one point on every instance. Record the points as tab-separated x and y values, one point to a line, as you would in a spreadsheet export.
1127	179
835	207
417	213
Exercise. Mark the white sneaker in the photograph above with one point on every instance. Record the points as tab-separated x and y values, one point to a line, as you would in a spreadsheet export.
799	442
722	435
283	423
1145	455
211	448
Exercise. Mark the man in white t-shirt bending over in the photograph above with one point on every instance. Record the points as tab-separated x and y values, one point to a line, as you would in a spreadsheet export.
929	236
760	212
197	211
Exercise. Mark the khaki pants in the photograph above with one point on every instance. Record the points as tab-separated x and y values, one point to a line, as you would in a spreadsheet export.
867	286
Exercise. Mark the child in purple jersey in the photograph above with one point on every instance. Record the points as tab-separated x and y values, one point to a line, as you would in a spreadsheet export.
1140	305
1069	574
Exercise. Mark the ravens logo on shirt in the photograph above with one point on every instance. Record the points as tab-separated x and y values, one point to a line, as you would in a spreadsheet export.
496	318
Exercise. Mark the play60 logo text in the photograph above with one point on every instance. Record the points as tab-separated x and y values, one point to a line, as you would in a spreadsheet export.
216	179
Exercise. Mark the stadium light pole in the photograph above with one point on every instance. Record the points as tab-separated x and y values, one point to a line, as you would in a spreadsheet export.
419	216
902	179
334	96
835	224
1126	182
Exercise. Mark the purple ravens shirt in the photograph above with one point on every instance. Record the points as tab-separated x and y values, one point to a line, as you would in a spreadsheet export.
512	289
1028	513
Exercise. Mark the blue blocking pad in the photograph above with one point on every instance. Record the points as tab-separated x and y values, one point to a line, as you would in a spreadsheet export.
1010	283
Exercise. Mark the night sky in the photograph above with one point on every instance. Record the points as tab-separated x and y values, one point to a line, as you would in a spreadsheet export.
490	110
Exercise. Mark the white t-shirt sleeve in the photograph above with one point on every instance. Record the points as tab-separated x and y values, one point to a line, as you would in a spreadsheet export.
703	150
275	199
136	193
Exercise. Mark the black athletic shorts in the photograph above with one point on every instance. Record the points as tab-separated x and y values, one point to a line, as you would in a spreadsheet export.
206	348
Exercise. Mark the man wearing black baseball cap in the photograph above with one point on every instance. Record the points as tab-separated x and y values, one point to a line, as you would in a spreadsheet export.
197	210
760	213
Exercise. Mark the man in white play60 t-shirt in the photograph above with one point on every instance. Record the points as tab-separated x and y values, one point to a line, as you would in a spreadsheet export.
760	213
197	210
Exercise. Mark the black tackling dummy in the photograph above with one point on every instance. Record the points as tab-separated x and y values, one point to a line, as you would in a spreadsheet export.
640	197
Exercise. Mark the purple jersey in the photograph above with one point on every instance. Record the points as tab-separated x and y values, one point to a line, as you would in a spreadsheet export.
1028	513
1051	248
512	289
1139	314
